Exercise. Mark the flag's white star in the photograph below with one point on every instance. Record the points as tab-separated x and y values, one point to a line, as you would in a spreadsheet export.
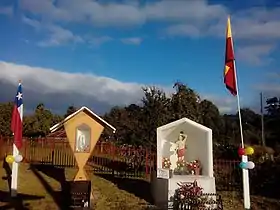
19	96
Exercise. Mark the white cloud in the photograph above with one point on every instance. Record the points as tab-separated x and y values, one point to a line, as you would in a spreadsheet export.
132	40
183	30
271	88
273	75
99	40
6	11
86	11
42	80
257	23
191	10
122	13
62	88
57	35
189	16
255	54
226	104
249	24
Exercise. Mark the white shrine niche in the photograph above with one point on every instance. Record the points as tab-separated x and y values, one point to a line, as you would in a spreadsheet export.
198	147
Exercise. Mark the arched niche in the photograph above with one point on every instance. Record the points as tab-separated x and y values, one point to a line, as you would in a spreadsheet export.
83	139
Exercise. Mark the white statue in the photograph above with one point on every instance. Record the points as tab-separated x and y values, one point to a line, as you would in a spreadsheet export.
181	146
81	143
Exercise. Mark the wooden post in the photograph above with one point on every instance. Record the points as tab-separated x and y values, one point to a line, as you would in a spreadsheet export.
146	165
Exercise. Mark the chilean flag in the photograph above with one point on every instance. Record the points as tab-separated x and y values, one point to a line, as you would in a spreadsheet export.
16	125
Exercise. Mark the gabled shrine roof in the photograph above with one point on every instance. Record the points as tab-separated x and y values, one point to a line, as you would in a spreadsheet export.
89	112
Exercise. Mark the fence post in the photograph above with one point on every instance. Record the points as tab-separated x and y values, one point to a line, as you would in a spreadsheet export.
147	162
25	150
112	148
1	146
53	146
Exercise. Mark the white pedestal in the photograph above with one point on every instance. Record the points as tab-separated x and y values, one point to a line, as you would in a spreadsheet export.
163	189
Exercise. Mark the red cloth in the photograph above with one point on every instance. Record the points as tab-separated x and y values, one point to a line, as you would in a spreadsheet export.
181	152
230	71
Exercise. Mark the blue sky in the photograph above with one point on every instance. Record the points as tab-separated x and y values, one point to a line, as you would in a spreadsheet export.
122	45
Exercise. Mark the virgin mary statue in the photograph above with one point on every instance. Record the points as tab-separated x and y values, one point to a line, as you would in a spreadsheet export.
81	143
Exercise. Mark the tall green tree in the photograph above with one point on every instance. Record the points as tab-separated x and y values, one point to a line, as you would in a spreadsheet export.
272	121
185	103
156	112
38	124
70	110
5	118
137	123
210	117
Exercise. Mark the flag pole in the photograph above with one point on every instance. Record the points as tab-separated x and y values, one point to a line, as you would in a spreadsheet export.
262	119
245	172
230	79
14	179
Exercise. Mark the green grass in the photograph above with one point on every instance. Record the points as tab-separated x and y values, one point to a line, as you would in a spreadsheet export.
34	195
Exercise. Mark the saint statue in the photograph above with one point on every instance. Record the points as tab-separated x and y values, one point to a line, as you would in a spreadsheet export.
181	146
81	143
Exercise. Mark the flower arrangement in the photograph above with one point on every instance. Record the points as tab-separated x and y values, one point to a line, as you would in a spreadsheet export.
166	163
181	164
186	168
190	195
181	168
194	167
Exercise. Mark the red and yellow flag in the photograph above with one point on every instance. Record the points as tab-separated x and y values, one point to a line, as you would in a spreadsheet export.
229	72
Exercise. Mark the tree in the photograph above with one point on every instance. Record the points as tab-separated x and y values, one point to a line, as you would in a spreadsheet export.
273	106
136	124
251	126
70	110
5	118
156	112
185	103
38	124
210	117
272	121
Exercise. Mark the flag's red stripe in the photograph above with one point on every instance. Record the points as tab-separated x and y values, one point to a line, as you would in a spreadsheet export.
229	50
229	77
16	127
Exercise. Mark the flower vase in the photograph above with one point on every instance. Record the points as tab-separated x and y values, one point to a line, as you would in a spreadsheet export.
170	173
181	170
197	171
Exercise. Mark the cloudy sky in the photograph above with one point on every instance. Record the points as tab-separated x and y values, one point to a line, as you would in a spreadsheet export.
99	53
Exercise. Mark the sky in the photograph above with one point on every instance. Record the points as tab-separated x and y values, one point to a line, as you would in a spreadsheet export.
99	53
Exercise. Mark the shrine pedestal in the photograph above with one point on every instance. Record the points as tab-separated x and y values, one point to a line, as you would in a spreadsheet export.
164	189
80	192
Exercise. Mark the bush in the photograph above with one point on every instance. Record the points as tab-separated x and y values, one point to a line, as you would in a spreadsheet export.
264	179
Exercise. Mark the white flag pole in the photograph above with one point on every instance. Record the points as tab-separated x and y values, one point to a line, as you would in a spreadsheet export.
245	172
14	180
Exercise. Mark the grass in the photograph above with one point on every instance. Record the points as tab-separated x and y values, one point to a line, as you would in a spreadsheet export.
37	194
109	196
233	201
40	189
